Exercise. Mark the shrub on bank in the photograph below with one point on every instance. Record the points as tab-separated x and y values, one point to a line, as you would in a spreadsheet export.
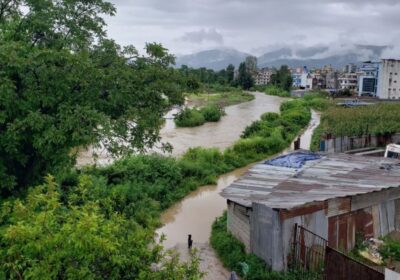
212	113
276	91
189	118
196	117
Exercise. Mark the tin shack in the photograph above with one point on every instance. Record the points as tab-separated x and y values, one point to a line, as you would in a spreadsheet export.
336	196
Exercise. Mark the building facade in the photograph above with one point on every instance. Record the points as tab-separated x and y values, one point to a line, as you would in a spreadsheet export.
348	81
389	79
263	76
368	79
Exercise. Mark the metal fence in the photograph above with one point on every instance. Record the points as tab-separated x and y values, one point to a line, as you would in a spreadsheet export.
339	266
308	253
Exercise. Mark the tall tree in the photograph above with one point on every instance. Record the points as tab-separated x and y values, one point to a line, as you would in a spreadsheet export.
230	73
251	64
282	78
64	85
245	79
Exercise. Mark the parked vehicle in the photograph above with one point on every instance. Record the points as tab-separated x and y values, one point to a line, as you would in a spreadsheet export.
392	151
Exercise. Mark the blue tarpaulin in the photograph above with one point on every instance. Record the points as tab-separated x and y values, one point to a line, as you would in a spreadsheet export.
293	160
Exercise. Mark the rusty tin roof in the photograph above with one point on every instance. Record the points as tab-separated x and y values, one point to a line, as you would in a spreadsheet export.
331	176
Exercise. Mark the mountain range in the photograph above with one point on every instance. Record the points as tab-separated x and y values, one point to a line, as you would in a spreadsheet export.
317	56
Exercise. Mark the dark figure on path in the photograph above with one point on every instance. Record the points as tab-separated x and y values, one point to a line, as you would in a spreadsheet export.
190	241
233	276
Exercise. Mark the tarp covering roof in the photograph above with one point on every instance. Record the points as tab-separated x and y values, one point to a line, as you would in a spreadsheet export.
293	160
330	176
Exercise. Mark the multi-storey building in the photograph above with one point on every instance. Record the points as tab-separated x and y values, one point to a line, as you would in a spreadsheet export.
332	80
263	76
368	79
348	81
350	68
389	79
299	76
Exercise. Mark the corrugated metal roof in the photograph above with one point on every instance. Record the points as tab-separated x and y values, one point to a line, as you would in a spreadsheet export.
331	176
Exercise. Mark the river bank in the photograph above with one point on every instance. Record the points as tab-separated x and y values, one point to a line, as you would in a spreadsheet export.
219	135
198	210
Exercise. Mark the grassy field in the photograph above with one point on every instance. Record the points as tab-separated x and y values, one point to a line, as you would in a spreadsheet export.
222	99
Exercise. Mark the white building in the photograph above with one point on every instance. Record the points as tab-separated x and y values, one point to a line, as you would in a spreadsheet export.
348	81
389	79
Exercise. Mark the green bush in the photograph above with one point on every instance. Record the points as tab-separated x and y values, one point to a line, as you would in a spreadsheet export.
390	250
189	118
196	117
212	113
276	91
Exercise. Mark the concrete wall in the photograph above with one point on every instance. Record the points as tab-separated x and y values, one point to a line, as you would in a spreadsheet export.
239	223
389	79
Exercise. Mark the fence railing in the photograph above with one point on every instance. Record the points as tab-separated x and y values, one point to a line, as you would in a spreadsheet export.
308	253
339	266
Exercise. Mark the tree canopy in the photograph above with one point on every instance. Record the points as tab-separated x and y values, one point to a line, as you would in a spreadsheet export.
64	85
244	79
282	78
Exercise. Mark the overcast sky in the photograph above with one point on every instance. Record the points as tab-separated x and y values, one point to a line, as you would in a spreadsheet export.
255	26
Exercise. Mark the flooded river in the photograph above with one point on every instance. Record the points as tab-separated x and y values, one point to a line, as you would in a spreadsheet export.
196	212
220	134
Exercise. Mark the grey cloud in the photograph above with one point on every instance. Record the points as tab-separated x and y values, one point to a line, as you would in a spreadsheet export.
202	35
249	25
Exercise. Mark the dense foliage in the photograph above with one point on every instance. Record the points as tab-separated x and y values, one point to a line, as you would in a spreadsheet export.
190	117
84	229
100	222
390	250
378	119
203	78
282	78
276	91
245	79
221	98
63	84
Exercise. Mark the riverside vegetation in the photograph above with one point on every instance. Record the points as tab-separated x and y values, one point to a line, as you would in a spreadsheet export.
211	105
106	217
190	117
64	84
377	119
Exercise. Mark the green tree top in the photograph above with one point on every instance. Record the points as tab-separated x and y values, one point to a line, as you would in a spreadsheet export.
64	85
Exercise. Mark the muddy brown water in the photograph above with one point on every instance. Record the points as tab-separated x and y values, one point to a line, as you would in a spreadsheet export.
197	211
220	134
